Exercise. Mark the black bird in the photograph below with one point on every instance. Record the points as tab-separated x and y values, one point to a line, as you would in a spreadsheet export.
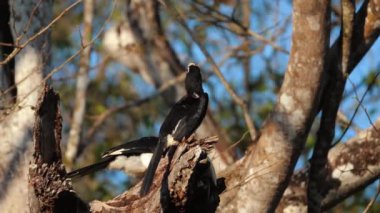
130	148
183	119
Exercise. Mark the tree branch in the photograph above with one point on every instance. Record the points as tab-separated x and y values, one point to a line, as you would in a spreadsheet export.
331	101
267	166
350	47
351	167
239	101
81	85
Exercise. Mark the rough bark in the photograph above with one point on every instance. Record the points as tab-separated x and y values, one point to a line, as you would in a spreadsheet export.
268	165
49	190
366	31
16	127
357	36
183	183
330	106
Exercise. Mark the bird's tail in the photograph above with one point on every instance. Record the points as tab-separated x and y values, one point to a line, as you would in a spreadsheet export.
152	167
91	168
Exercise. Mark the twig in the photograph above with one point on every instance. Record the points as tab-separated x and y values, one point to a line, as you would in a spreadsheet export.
356	109
243	28
252	130
373	200
102	117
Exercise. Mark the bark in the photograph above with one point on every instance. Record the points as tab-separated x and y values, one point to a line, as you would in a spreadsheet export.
31	64
49	190
330	107
268	165
365	34
351	166
357	35
81	85
183	183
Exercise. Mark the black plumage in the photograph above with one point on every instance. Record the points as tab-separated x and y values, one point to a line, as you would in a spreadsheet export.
130	148
183	119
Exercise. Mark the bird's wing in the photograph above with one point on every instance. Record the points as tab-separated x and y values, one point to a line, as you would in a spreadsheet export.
183	119
176	114
194	117
178	111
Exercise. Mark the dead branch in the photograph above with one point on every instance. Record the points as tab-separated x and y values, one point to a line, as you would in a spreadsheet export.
183	183
50	192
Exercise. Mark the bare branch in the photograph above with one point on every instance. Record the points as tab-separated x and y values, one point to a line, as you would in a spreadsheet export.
331	102
50	192
99	120
352	166
242	29
81	84
373	200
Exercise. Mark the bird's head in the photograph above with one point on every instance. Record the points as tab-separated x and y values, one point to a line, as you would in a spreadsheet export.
193	81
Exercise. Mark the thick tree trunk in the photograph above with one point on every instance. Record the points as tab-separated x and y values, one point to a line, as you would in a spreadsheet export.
267	167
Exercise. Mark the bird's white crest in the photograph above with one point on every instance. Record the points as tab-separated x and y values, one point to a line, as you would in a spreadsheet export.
189	65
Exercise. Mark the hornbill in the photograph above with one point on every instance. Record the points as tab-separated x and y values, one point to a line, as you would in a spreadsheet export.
130	148
183	119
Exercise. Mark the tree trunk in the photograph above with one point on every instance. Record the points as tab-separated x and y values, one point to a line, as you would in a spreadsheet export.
31	64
